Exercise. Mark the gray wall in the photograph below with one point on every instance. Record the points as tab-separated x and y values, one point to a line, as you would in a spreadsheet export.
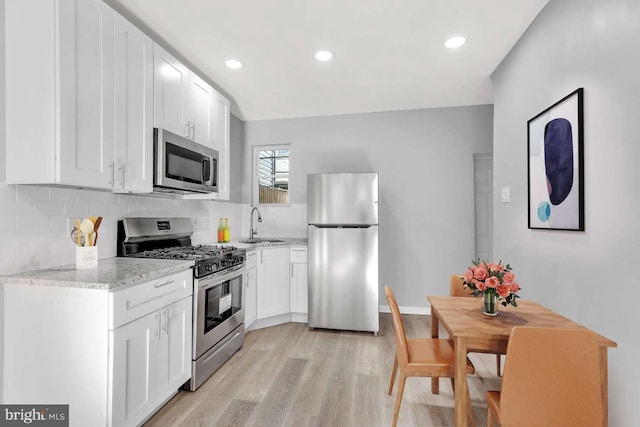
425	160
583	275
236	137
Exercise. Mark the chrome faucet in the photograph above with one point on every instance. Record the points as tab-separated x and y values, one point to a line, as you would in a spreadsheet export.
254	231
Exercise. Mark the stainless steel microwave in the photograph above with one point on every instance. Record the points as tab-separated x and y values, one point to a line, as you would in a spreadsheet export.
183	166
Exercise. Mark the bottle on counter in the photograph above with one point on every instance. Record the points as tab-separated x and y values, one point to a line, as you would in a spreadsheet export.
221	232
226	231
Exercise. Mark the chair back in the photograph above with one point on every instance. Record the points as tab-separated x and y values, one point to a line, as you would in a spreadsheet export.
455	287
398	329
551	378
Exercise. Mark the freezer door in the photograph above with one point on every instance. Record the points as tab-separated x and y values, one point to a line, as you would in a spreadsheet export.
343	278
342	198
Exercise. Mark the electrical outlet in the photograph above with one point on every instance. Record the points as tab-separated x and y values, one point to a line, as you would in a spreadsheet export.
70	225
505	195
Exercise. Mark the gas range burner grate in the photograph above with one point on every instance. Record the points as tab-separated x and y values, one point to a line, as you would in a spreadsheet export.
189	252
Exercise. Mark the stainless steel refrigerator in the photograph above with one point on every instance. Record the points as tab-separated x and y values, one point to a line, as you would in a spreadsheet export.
342	217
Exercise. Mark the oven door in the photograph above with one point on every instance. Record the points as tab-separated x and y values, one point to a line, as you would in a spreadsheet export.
218	307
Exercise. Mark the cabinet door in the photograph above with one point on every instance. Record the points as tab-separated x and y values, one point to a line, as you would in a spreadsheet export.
221	142
133	108
200	111
174	355
86	79
250	309
299	288
171	80
134	370
273	282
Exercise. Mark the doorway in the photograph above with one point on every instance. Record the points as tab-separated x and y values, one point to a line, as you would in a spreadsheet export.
483	189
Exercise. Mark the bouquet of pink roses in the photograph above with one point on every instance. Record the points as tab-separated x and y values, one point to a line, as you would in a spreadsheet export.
488	277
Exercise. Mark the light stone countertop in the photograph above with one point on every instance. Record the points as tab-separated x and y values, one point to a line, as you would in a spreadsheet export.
111	273
286	241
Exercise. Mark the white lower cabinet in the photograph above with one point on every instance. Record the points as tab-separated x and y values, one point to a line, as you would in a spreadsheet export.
134	370
251	281
151	360
299	302
114	356
277	287
273	282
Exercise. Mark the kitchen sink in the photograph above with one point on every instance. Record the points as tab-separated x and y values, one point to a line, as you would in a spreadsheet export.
260	240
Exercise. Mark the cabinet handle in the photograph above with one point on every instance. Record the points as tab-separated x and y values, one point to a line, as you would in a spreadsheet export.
188	125
157	332
121	168
193	131
291	270
164	316
159	285
124	174
113	173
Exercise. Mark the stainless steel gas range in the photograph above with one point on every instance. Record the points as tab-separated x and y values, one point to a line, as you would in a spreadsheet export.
218	303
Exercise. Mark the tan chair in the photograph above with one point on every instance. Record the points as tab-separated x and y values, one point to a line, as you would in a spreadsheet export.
419	357
551	379
456	289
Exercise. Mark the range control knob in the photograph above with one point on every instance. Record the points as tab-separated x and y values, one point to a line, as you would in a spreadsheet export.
208	267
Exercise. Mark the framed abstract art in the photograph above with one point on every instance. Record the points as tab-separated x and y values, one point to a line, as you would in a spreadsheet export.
555	166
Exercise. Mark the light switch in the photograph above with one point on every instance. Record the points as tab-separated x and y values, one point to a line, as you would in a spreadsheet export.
505	195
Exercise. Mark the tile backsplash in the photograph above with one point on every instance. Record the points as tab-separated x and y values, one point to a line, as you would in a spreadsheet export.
34	221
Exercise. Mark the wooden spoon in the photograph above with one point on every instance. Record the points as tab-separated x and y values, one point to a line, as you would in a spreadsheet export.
95	229
86	226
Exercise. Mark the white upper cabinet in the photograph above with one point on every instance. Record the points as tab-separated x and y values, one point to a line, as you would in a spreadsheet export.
171	83
221	142
80	103
133	108
187	105
201	96
59	92
183	101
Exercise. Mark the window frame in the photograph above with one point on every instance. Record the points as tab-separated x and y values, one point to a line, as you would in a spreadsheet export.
256	173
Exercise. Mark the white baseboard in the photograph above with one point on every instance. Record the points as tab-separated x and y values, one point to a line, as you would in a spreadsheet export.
300	317
424	311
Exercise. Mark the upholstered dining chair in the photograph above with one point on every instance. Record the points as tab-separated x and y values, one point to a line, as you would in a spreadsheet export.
419	357
551	379
456	289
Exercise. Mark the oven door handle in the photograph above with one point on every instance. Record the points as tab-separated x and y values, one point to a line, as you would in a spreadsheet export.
205	282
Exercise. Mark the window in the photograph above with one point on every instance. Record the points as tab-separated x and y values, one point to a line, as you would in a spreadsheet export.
271	179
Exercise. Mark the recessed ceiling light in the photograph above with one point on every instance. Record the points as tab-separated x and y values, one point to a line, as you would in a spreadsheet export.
234	64
455	42
324	55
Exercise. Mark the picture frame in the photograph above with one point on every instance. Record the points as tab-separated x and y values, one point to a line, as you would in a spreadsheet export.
555	165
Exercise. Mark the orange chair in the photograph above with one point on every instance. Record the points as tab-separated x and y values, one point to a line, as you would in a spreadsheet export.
551	379
456	289
419	357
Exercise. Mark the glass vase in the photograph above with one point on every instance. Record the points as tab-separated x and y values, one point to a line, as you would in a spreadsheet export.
489	303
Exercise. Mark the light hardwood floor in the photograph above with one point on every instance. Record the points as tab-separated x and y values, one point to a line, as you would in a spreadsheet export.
289	375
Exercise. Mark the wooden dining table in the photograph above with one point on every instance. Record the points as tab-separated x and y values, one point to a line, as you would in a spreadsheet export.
471	330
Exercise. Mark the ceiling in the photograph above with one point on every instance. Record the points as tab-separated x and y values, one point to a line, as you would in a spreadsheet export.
388	55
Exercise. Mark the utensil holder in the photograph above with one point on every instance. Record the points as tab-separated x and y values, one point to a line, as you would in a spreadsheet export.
86	257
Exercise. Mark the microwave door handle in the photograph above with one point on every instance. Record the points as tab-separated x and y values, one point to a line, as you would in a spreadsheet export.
207	168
